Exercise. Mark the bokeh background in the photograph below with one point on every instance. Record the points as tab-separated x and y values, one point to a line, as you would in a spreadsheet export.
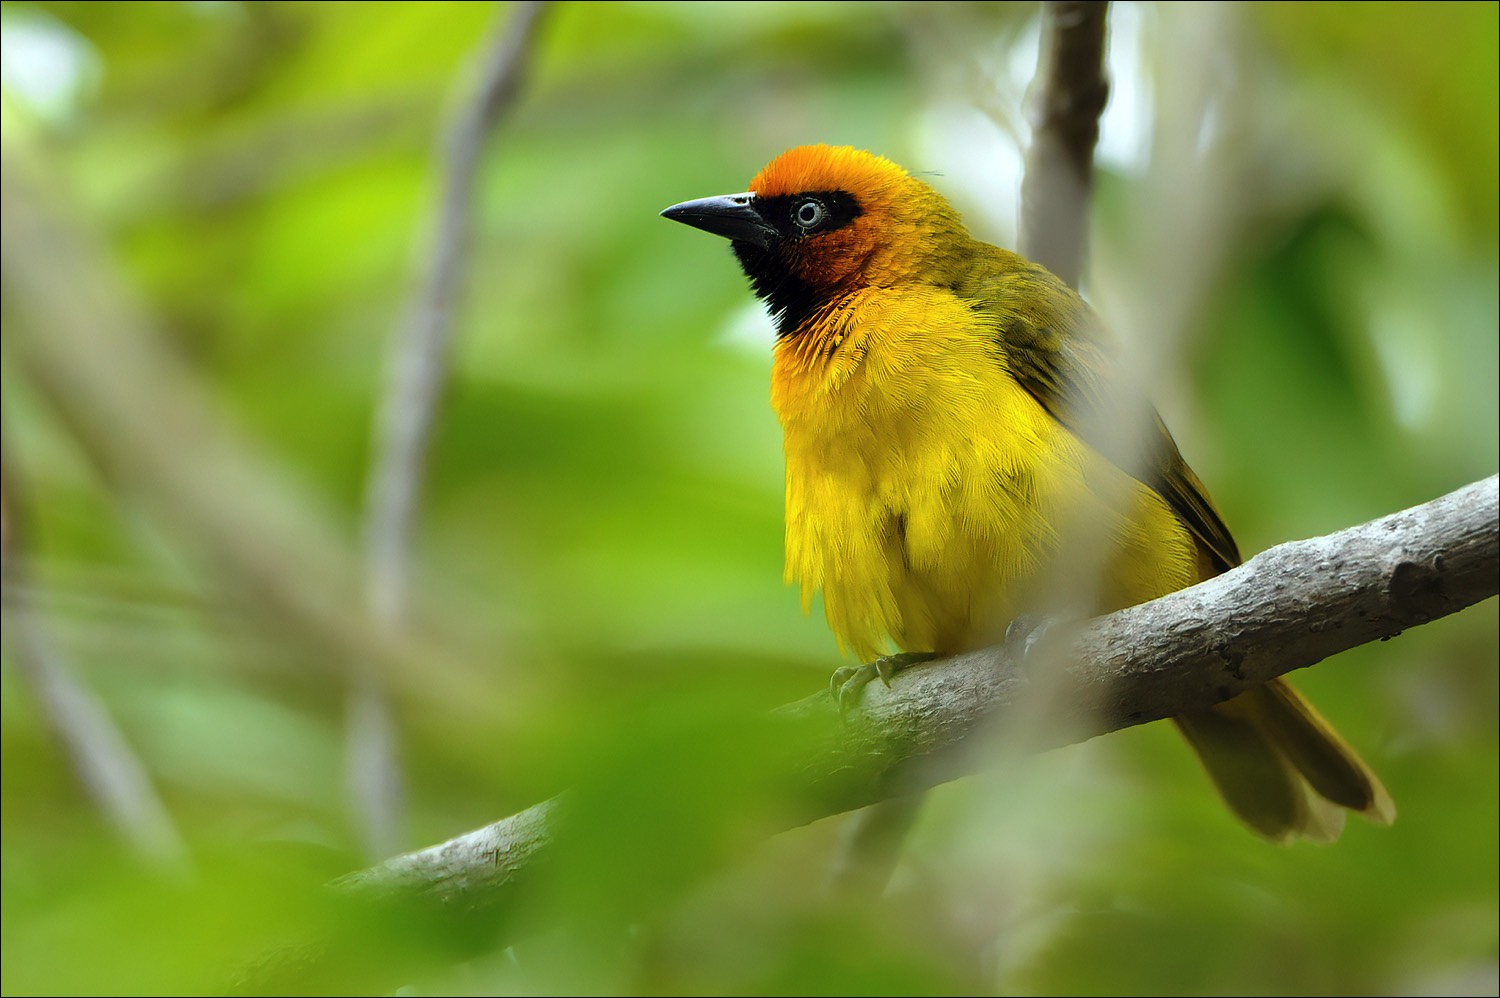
217	214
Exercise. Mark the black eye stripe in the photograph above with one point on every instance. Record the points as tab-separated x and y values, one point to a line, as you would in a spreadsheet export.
790	298
794	215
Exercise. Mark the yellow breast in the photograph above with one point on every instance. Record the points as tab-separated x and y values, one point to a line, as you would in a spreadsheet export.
931	499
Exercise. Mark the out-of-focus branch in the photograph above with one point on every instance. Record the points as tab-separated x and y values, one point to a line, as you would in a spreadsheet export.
1187	217
418	373
1289	607
106	765
1070	91
102	367
1070	94
419	365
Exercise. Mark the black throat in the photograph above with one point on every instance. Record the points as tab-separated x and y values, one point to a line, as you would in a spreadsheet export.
789	299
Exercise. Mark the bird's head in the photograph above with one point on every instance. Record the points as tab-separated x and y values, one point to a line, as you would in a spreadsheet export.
822	220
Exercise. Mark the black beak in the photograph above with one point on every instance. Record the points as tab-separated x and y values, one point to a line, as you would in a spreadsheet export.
732	216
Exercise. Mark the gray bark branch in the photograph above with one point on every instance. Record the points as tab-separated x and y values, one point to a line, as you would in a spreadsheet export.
1065	108
1287	608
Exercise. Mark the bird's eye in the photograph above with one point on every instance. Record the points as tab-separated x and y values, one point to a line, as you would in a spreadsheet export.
809	214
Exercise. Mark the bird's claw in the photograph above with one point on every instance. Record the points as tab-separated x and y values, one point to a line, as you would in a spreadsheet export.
848	683
1025	634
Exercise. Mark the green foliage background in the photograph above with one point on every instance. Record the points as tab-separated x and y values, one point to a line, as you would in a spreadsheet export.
599	559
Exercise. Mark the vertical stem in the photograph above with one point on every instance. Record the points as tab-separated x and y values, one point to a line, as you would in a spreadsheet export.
1054	232
418	375
1071	93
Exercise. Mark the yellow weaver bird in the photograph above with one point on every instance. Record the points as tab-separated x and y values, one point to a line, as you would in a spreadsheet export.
949	411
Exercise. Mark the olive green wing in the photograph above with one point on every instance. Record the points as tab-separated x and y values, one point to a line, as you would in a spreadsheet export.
1278	764
1054	349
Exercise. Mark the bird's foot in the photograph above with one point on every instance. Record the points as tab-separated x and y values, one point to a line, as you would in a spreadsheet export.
848	683
1027	633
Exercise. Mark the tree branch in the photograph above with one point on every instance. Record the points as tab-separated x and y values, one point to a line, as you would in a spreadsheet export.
1289	607
110	771
1064	116
419	357
408	414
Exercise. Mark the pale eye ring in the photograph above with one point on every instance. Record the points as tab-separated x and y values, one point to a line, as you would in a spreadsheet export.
809	214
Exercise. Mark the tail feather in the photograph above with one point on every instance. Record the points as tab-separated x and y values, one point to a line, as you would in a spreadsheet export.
1252	777
1281	767
1333	768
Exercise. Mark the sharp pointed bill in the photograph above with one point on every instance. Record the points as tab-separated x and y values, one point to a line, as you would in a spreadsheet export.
733	216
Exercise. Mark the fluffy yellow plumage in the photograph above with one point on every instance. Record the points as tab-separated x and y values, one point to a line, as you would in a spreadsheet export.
922	522
954	456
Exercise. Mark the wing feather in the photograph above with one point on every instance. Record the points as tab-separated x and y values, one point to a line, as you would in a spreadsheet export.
1055	349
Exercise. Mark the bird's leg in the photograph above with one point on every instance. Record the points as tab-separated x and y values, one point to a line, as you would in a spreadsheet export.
848	683
1028	632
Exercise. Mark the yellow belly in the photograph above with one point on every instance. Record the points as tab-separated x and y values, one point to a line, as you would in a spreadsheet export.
931	499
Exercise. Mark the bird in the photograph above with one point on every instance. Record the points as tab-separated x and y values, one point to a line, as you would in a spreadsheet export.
952	417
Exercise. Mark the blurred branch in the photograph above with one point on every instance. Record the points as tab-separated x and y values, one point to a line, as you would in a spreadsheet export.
1055	194
1289	607
103	368
1064	128
104	761
419	365
1185	221
408	412
105	371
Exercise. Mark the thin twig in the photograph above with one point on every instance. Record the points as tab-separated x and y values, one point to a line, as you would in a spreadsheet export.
419	368
108	768
1072	90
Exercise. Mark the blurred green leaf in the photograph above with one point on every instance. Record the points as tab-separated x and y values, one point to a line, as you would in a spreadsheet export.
600	547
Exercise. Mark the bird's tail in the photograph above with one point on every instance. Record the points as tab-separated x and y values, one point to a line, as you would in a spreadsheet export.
1281	767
